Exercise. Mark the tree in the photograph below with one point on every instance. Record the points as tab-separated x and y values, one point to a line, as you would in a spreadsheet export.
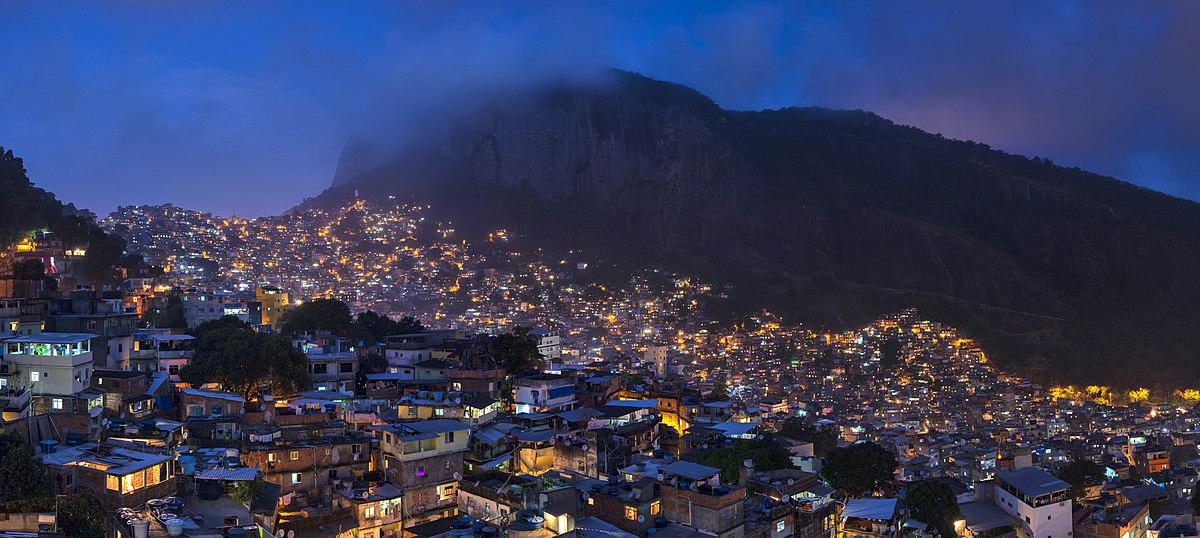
319	315
374	327
23	479
244	361
1079	474
823	439
516	351
81	515
859	468
171	316
935	504
246	490
372	363
767	457
223	322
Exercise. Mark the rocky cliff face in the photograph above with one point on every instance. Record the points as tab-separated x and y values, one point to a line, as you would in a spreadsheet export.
832	215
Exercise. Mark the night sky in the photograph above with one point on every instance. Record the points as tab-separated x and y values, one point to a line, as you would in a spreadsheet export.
243	107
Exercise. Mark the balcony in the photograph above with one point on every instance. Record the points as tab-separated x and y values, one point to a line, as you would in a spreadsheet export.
14	400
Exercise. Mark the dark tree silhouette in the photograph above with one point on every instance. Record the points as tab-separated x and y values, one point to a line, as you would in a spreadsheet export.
859	468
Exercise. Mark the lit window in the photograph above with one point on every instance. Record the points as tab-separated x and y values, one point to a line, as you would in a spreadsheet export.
780	526
631	512
421	470
369	512
655	508
295	478
271	456
56	403
114	482
35	376
295	455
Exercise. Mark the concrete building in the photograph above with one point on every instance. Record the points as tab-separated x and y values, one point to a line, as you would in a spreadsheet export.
544	393
1037	499
275	304
549	343
425	460
56	369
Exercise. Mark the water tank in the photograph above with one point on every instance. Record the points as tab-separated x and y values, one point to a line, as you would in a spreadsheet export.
141	528
236	532
174	527
188	464
231	452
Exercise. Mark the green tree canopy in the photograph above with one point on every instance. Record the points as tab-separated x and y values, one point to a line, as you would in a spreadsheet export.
244	361
81	516
23	207
859	468
823	439
934	503
170	316
223	322
1079	474
23	478
516	351
319	315
375	328
767	456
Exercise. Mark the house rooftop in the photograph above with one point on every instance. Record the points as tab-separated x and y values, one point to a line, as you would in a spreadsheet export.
1033	482
52	338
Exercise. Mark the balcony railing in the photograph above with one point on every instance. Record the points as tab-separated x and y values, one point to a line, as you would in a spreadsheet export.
14	399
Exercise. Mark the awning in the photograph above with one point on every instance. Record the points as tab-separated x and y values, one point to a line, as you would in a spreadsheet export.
242	474
496	462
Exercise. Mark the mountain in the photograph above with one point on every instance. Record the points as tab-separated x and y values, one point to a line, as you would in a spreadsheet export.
830	216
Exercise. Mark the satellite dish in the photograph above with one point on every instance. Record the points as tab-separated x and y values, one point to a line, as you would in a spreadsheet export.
458	476
704	446
641	519
584	448
291	534
458	400
661	477
282	533
791	481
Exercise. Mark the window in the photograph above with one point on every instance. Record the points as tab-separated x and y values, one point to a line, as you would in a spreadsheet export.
420	470
333	474
1047	519
439	411
271	457
35	376
412	411
114	482
446	465
631	513
780	526
56	403
294	455
591	501
449	437
656	507
369	512
319	369
347	368
295	478
354	448
1027	519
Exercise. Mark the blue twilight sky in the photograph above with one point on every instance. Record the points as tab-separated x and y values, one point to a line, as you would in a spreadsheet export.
243	107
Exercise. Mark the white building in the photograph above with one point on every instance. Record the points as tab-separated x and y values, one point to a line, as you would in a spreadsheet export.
549	343
1038	500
